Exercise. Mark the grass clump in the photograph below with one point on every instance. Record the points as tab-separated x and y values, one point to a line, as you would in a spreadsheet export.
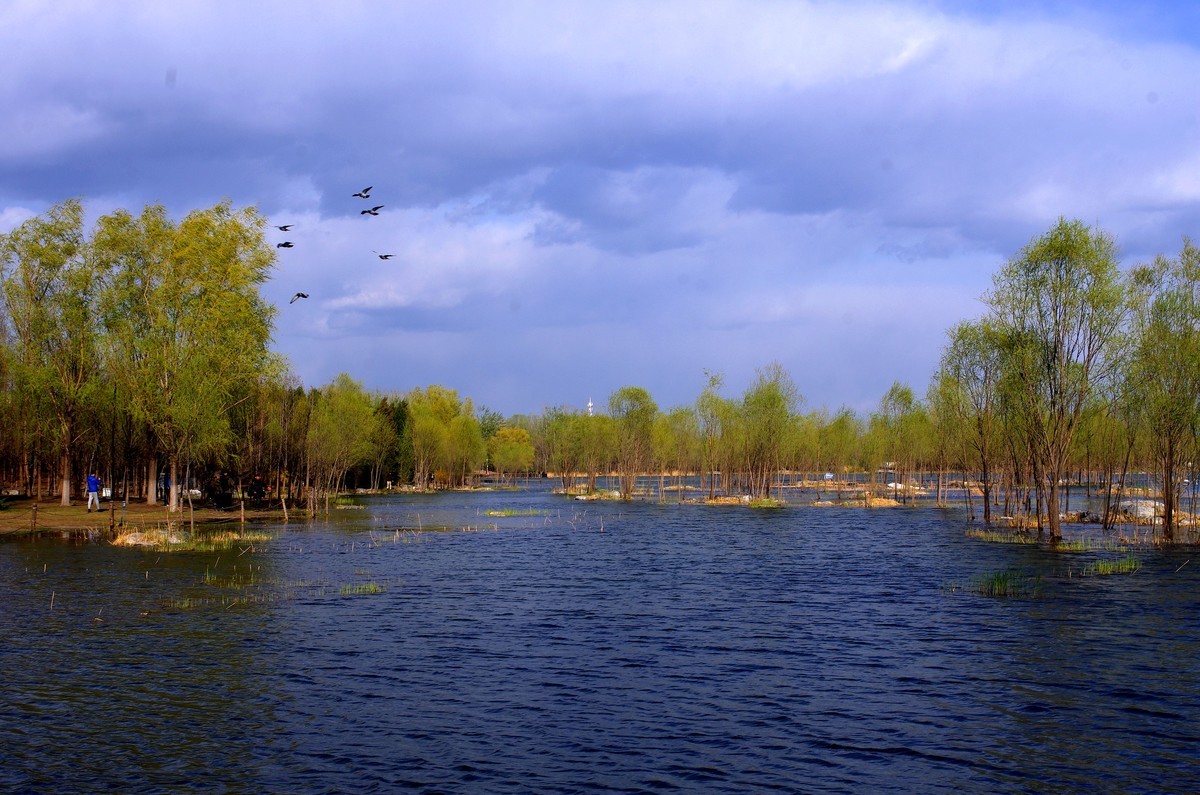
767	502
1129	564
1089	545
361	589
1011	582
1001	537
173	540
512	512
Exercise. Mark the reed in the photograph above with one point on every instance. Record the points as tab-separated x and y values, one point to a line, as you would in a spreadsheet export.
1129	564
513	512
1011	582
1089	545
1000	537
361	589
166	539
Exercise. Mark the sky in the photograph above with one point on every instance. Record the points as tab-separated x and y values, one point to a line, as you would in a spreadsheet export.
583	196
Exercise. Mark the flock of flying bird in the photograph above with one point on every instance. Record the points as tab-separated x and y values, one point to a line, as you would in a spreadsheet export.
365	193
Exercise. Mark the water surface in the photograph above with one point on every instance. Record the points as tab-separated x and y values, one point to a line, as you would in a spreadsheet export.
595	647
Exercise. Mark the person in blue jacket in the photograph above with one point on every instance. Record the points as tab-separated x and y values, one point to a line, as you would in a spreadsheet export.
93	491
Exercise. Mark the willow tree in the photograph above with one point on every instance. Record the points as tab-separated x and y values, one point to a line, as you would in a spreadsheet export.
564	445
49	284
840	442
510	450
768	410
341	432
446	438
633	411
1166	367
1058	308
897	434
187	328
972	363
674	446
466	450
713	413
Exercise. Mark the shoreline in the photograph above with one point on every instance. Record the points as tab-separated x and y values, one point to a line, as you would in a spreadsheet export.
17	518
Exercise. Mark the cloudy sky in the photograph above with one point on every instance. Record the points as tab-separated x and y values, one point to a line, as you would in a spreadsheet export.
582	196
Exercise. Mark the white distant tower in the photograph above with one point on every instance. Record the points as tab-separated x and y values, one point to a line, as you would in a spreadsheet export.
589	407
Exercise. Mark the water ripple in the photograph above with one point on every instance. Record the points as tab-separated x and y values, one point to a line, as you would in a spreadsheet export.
628	648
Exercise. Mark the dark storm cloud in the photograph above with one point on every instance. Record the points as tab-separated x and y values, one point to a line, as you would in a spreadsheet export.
581	196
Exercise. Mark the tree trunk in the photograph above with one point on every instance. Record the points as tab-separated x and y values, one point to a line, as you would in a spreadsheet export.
173	499
1052	509
64	464
152	481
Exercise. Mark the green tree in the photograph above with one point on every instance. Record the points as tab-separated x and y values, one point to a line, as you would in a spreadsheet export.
712	411
1058	307
564	445
511	450
341	433
972	363
187	328
50	284
447	442
768	409
633	411
1165	368
840	441
465	447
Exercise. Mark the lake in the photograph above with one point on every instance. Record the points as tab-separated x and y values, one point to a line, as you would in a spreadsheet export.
419	643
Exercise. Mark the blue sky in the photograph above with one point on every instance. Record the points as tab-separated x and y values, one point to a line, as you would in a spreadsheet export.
582	196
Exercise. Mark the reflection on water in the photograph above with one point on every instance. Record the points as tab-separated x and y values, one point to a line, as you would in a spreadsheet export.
556	646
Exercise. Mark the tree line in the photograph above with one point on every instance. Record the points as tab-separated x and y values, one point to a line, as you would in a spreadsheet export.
139	348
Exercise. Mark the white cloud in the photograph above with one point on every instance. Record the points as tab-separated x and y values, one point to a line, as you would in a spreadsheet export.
715	177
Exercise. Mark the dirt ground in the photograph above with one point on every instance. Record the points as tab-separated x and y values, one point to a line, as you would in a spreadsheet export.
18	517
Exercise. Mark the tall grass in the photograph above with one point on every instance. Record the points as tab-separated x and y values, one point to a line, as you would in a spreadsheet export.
361	589
1129	564
1011	582
1001	537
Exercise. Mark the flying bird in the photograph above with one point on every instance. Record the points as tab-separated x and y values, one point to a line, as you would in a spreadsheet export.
284	228
373	211
298	295
365	193
384	256
284	244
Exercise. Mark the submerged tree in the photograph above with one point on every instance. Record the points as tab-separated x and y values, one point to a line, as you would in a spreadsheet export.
972	363
768	410
633	411
1165	368
1058	308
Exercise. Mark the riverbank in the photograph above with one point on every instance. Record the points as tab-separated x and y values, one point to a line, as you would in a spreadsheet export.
52	517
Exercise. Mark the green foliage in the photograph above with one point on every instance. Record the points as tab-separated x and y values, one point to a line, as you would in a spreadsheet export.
1057	309
342	431
767	409
511	450
446	437
186	328
50	281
